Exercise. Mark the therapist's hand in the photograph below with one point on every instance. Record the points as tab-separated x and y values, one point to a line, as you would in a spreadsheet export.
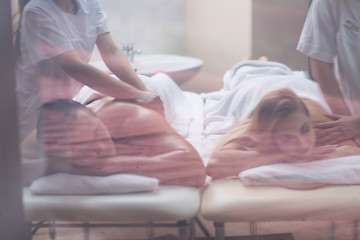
151	101
342	128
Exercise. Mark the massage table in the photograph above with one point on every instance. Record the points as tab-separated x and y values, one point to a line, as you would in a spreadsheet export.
202	119
159	206
231	201
321	190
164	207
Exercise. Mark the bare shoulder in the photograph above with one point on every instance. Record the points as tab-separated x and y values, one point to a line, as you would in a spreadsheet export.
316	111
236	138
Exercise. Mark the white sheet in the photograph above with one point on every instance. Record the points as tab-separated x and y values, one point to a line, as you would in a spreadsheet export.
69	184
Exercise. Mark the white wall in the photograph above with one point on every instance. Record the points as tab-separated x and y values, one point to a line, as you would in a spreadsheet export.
155	26
219	33
277	26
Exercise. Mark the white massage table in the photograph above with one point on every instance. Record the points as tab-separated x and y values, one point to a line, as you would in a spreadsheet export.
274	192
211	115
231	201
165	206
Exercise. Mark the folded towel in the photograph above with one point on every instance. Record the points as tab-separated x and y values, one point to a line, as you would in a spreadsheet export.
252	68
307	175
69	184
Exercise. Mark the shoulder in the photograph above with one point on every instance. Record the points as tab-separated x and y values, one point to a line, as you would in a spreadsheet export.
38	10
39	6
316	111
324	3
237	138
329	7
321	8
91	6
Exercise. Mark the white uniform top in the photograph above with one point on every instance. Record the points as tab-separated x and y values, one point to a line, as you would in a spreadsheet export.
47	31
332	34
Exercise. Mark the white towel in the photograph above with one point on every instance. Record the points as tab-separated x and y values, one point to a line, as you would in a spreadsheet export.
336	171
250	69
69	184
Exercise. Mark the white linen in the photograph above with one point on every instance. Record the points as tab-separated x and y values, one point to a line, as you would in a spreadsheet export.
69	184
337	171
196	127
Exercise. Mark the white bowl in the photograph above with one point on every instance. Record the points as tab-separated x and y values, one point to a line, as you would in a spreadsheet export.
180	68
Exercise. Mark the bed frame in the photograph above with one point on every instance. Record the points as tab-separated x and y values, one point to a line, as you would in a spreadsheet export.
166	207
230	201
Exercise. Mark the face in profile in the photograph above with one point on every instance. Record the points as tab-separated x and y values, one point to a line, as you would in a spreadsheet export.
294	135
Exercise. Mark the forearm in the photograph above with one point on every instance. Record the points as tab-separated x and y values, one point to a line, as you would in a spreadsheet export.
97	79
117	62
227	163
106	84
323	74
120	66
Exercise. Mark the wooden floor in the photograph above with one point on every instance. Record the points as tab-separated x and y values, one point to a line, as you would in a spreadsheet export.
235	231
282	236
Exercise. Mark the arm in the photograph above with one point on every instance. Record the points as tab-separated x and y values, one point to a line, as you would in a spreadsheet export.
181	167
236	151
89	75
117	62
324	75
239	152
230	162
343	126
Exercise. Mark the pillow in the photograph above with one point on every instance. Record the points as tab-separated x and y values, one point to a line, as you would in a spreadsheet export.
70	184
307	175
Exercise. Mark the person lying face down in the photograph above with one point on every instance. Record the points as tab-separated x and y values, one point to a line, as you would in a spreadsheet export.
280	129
121	138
